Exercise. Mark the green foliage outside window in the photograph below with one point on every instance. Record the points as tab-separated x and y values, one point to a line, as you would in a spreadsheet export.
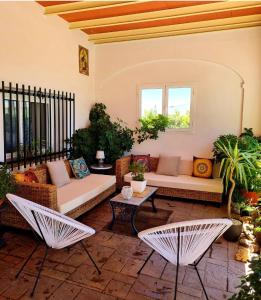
178	120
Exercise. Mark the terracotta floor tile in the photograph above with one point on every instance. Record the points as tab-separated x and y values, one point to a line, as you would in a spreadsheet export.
87	294
155	266
115	263
132	267
66	291
89	277
152	287
216	276
117	289
169	273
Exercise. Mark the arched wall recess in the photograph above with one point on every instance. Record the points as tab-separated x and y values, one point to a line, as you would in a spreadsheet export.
127	68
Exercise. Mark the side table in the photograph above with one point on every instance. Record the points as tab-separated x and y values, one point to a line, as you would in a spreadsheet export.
101	169
2	241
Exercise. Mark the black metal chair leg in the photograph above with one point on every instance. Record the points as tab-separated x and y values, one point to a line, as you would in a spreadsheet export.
39	272
177	268
176	281
28	258
201	283
98	270
147	259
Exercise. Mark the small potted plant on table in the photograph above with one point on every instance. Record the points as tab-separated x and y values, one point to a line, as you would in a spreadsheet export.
138	182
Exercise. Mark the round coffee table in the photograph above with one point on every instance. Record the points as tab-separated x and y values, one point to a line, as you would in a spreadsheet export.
101	168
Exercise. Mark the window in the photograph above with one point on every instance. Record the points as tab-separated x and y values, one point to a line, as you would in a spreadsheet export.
172	101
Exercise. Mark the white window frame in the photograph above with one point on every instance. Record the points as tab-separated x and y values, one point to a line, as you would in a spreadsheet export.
165	101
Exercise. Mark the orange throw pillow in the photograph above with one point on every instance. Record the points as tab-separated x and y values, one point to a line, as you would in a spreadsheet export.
29	176
202	167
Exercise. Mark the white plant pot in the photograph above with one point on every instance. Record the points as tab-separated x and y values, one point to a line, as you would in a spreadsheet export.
138	186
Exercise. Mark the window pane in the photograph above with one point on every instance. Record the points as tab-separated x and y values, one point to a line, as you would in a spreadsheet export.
179	101
151	101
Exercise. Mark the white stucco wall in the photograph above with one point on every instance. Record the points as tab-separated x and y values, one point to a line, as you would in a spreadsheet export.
40	50
216	63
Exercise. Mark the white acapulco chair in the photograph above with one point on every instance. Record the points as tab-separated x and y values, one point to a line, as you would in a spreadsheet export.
55	229
184	243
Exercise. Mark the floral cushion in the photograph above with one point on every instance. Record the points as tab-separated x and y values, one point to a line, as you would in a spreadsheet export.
79	168
143	160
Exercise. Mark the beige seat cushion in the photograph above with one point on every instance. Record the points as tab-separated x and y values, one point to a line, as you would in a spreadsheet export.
58	173
182	182
79	191
168	165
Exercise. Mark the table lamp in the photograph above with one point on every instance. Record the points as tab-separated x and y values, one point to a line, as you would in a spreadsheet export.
100	156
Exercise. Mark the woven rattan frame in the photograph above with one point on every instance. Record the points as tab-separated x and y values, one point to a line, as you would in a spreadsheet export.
46	194
122	168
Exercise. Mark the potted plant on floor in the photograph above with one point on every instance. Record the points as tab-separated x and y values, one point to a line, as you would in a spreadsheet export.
236	166
7	183
138	182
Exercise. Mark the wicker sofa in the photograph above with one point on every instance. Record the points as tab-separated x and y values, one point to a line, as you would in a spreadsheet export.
73	199
182	186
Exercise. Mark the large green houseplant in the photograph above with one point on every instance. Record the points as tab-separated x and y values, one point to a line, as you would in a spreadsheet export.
236	166
113	137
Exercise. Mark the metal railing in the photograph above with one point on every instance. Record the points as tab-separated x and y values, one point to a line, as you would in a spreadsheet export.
37	124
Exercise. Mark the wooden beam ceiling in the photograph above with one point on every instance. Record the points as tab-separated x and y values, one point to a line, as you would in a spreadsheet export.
116	21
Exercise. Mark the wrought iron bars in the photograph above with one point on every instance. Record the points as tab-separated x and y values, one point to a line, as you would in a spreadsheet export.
37	124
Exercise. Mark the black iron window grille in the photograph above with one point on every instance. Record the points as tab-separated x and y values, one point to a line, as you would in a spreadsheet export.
37	124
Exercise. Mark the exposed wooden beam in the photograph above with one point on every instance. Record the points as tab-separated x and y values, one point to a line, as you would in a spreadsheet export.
181	32
82	6
187	28
164	14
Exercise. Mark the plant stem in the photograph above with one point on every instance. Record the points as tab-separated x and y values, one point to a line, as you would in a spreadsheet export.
230	192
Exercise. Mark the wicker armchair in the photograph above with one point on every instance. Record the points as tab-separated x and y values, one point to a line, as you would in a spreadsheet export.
122	168
45	193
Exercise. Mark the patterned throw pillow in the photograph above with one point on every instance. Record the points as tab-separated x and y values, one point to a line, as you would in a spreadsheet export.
202	167
142	159
79	168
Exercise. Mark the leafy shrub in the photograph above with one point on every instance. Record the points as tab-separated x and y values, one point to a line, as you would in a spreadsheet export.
250	287
114	138
7	182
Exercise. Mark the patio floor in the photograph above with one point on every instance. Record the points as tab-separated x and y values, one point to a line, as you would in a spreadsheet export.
71	275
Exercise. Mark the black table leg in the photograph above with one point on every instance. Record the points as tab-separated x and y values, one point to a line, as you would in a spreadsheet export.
133	216
113	216
152	203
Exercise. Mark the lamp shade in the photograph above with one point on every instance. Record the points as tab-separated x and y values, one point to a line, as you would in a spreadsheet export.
100	154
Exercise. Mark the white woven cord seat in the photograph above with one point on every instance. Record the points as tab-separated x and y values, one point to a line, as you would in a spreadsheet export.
55	229
184	243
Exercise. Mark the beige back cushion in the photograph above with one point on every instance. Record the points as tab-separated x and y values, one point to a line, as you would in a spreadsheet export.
168	165
186	167
58	173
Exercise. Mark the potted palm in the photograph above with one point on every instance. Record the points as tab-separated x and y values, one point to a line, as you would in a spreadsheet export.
138	182
236	166
7	183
